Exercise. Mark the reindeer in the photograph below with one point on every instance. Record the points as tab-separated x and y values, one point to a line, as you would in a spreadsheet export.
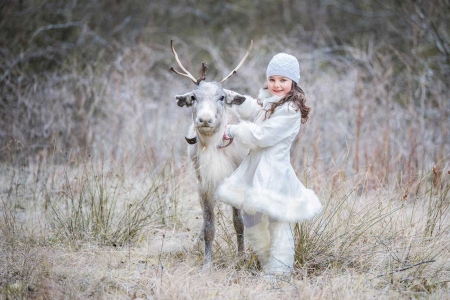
213	158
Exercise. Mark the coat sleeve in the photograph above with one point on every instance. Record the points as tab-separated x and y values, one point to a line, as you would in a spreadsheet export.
249	109
283	123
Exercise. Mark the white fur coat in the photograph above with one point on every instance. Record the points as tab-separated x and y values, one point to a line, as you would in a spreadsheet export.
265	181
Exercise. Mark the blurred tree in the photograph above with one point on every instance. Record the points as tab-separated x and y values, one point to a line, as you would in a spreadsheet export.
43	37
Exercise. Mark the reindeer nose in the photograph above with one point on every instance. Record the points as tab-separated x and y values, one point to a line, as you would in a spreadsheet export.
205	120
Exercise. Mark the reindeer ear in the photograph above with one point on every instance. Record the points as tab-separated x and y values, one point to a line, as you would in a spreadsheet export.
238	100
234	98
185	99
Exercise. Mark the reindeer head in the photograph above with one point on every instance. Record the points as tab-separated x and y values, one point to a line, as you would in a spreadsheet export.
208	99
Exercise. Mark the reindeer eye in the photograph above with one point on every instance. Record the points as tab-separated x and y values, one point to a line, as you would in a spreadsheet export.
222	98
193	97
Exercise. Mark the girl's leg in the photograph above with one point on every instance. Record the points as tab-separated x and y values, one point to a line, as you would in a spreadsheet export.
281	260
257	235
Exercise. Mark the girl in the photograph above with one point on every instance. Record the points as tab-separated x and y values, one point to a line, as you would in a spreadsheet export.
265	185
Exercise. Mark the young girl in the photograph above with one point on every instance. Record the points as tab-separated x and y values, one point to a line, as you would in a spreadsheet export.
265	185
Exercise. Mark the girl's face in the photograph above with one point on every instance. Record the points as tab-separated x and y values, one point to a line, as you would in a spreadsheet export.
279	85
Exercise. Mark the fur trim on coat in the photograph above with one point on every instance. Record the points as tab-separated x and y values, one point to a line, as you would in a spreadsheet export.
305	205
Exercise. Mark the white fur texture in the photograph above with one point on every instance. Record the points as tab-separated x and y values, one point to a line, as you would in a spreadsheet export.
282	250
213	165
279	207
287	209
232	193
259	239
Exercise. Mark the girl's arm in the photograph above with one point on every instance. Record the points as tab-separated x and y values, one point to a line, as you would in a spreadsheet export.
248	110
281	124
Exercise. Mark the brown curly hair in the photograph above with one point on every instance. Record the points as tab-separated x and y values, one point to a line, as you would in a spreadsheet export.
297	96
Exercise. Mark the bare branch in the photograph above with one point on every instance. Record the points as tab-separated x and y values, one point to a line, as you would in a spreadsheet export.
56	26
407	268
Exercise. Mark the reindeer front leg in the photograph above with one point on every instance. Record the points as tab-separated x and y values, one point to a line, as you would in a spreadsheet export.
239	227
209	229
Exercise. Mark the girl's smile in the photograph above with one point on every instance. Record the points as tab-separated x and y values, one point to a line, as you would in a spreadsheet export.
279	85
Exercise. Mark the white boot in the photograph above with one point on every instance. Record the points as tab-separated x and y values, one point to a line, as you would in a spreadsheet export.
281	260
259	238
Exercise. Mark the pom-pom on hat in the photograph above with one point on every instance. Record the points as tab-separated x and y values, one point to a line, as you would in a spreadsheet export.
285	65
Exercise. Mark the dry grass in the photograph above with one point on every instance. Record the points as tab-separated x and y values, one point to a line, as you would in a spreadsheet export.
380	243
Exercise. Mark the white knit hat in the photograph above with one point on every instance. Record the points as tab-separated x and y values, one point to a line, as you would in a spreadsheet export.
285	65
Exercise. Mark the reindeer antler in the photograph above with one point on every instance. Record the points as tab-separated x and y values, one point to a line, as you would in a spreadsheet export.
239	65
204	67
186	73
202	72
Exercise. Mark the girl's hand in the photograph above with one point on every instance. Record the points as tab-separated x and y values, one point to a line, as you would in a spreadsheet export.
233	98
227	134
